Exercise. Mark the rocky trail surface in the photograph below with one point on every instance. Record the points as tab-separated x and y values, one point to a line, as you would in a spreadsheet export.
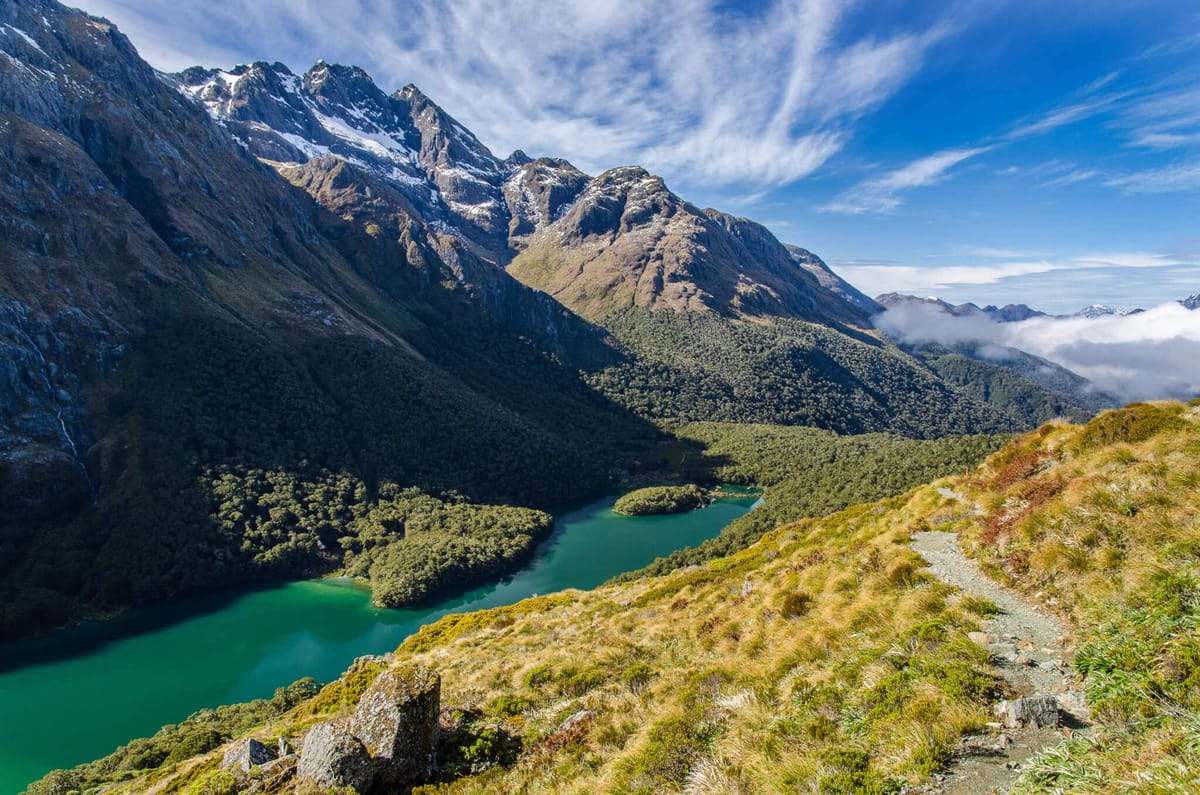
1029	649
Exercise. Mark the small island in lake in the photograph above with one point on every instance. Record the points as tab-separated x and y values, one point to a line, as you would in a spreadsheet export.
662	499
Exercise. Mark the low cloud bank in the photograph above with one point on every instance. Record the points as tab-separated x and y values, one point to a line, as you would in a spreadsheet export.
1153	354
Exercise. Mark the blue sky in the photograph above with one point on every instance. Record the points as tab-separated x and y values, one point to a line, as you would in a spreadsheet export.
1037	152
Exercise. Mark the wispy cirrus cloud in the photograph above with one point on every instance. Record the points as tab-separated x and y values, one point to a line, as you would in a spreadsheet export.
1073	177
883	194
1173	178
685	87
1067	114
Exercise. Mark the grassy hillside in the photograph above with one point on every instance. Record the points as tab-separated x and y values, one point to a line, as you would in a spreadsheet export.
825	657
1103	523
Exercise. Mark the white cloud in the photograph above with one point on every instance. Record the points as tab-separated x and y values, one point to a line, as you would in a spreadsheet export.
882	194
684	87
1152	354
1076	176
1163	118
1061	117
1168	179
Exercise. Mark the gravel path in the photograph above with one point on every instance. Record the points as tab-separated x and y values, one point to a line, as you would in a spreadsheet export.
1028	648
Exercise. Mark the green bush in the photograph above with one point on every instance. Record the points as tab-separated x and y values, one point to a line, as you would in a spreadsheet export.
508	705
577	682
538	676
673	746
636	676
850	773
1135	423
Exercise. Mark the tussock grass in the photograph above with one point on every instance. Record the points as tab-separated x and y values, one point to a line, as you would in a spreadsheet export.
825	658
1102	522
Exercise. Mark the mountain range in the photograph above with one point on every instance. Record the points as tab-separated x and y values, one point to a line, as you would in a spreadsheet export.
227	295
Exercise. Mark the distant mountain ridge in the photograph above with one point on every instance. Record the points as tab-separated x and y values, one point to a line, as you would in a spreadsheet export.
1009	313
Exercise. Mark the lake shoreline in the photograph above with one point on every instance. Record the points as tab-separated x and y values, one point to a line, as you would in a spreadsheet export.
75	695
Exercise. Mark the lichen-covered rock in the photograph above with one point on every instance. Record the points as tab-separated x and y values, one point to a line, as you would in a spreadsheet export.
397	721
245	754
1039	711
333	757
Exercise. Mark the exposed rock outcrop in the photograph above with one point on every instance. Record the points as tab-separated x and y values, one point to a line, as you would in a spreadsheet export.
397	721
389	742
246	754
333	757
1036	711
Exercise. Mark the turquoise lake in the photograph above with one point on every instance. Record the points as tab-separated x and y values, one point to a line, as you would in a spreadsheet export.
76	695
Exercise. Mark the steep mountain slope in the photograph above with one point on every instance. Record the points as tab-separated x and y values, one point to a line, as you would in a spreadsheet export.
628	241
697	366
176	314
827	657
1029	388
612	248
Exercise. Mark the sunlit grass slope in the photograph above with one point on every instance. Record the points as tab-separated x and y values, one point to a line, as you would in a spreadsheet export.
825	658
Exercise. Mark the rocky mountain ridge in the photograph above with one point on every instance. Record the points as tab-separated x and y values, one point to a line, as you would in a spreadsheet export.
1009	313
597	245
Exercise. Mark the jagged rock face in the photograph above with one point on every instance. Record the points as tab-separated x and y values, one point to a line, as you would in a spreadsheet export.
246	754
628	241
446	175
330	756
397	721
538	194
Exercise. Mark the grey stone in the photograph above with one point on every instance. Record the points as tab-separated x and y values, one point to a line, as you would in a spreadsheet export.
1003	651
574	719
1039	711
397	721
332	757
245	754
